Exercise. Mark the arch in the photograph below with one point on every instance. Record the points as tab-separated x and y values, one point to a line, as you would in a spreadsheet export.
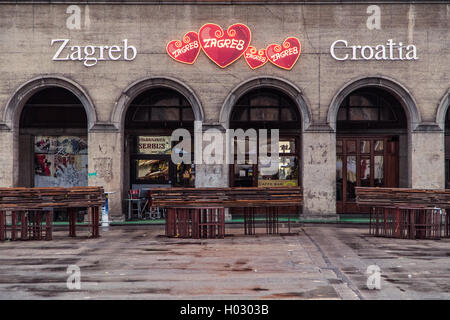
443	109
265	82
14	107
137	87
400	92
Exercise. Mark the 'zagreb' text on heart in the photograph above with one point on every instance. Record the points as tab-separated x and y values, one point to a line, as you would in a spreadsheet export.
224	43
284	53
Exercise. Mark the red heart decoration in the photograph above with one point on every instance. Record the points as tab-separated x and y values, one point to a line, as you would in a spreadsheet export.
224	47
284	56
185	51
255	58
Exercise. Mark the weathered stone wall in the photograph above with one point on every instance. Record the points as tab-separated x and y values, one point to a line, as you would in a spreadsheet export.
26	32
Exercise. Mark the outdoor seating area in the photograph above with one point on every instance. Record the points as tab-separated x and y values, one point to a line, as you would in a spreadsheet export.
27	213
406	213
139	206
199	212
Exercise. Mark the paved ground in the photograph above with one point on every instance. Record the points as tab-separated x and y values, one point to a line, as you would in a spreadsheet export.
137	262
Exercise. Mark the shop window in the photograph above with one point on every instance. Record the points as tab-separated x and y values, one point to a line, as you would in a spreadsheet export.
150	120
152	171
267	109
152	164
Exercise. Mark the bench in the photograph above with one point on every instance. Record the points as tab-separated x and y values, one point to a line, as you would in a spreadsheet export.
199	212
32	207
406	213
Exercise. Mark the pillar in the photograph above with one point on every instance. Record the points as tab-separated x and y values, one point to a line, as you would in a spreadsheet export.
428	158
319	174
105	158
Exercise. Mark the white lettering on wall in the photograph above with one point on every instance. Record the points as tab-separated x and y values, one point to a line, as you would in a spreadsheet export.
90	54
74	20
340	50
374	20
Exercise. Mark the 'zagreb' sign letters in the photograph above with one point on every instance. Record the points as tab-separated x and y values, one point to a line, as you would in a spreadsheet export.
90	55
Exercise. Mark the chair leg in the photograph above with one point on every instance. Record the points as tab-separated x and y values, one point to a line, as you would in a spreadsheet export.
139	210
48	225
2	226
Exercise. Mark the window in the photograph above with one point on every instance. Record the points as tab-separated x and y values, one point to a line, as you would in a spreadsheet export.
53	108
370	108
160	108
265	108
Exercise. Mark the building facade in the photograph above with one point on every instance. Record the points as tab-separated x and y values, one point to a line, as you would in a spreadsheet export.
91	92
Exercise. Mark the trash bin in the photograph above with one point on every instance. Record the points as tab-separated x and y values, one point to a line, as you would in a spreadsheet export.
105	210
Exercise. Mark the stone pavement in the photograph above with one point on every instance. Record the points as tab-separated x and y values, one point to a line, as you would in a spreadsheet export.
137	262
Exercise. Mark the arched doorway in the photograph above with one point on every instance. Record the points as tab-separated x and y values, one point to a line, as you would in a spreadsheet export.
267	108
53	148
371	144
150	120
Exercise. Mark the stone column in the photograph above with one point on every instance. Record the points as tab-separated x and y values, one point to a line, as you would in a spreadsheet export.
428	158
105	165
212	175
319	174
9	168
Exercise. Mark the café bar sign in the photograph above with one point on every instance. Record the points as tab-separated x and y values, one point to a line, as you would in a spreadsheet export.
225	46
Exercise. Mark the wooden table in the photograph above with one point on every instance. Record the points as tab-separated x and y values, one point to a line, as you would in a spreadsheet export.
33	207
199	212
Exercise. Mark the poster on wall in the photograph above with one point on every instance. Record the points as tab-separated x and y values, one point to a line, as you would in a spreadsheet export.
44	165
45	144
60	161
71	145
60	145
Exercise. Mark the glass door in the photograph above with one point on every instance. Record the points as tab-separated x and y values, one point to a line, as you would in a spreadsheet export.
363	162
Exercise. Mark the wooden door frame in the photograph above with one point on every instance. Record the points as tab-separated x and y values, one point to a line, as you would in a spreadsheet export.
344	205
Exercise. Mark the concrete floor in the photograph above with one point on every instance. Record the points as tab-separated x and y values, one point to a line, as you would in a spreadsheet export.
138	262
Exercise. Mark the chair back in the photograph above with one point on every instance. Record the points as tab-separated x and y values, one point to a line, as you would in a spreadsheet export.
134	193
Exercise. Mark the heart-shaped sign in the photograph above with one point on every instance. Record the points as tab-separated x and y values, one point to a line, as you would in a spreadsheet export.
185	51
284	56
224	47
255	58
